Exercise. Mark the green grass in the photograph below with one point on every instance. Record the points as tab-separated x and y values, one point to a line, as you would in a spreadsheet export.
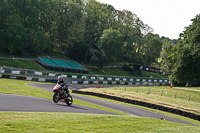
28	64
81	123
167	92
167	99
18	87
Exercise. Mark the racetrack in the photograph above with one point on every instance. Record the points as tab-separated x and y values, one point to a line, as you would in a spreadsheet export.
18	103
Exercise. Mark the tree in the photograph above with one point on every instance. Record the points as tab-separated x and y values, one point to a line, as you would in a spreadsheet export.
151	47
107	48
129	26
16	37
77	29
4	11
164	56
185	56
95	22
75	36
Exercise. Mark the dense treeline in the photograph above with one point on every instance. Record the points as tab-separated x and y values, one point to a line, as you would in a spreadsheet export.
182	61
84	30
92	32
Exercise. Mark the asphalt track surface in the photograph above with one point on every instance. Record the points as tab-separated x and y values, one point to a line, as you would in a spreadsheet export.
18	103
33	104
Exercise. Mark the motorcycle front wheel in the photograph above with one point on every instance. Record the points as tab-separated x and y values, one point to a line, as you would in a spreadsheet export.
69	100
56	97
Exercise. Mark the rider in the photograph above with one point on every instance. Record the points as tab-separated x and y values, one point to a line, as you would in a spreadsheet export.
62	83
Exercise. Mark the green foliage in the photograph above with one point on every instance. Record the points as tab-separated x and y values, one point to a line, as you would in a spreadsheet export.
16	38
164	56
151	46
79	29
128	68
98	57
185	57
107	48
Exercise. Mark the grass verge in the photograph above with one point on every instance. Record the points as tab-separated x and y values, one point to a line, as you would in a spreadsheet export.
27	64
79	123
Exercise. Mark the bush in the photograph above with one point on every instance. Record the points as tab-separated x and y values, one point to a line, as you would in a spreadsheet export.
128	68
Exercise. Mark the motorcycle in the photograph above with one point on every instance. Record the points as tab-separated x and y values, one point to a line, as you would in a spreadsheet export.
61	94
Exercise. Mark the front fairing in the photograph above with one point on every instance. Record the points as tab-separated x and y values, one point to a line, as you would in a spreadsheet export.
56	88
